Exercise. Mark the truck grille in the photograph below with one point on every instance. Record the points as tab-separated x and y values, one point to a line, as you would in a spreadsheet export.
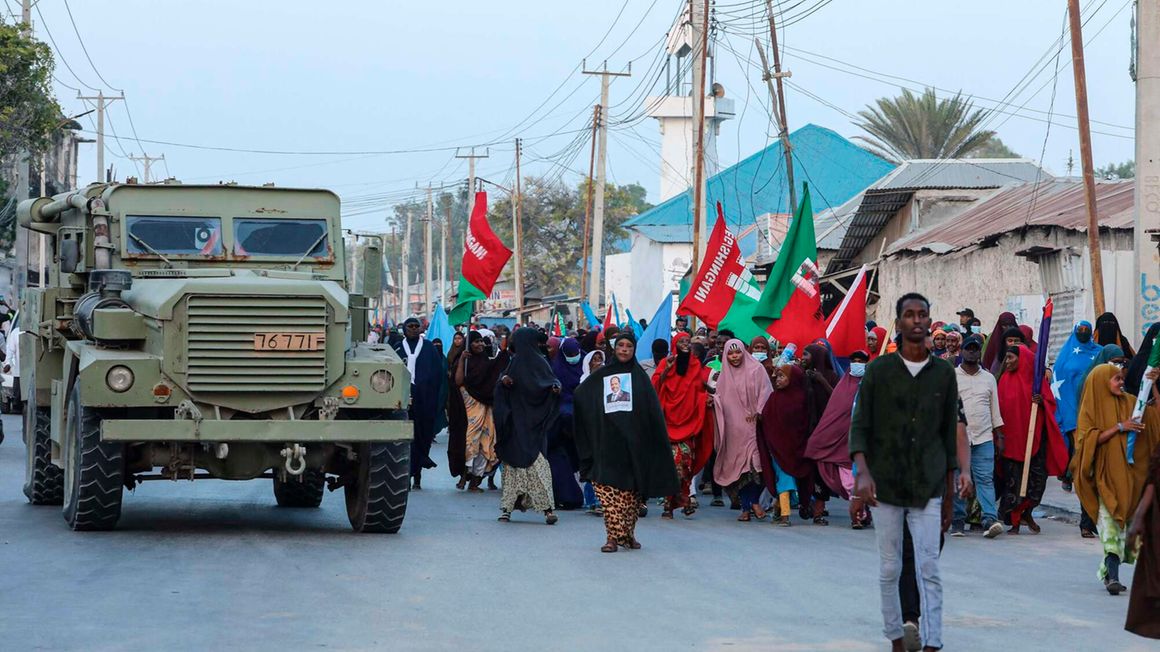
220	345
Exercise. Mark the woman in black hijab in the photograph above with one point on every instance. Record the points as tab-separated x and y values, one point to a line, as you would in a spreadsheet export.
527	404
623	443
1108	332
1134	375
476	374
456	416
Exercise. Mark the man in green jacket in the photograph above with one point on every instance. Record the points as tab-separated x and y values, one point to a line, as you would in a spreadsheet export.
902	442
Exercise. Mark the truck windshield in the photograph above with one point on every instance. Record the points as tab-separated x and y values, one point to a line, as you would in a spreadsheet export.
281	237
160	234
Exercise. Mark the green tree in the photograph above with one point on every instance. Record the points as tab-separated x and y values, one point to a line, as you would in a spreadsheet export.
28	110
923	127
994	148
1125	170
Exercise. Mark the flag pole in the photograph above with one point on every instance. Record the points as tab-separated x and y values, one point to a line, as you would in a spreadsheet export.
1027	452
1036	388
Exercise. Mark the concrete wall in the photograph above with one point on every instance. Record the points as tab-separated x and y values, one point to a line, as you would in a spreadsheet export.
993	280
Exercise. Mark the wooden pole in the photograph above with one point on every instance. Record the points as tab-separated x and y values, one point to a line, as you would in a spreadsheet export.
518	233
1085	155
783	123
588	203
1027	454
699	127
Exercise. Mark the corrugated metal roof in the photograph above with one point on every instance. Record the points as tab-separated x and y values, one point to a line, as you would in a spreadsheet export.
886	197
835	168
1058	203
961	173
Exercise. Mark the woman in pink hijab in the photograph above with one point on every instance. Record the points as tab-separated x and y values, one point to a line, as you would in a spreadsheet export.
742	389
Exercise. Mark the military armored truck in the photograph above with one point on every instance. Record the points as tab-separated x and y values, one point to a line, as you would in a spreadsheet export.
183	332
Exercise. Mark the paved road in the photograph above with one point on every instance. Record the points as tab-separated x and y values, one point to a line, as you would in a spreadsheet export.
215	565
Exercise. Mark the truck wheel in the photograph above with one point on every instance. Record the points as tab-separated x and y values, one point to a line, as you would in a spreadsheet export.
43	480
302	491
376	494
94	471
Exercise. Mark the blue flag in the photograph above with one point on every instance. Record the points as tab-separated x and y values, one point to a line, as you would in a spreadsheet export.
440	328
658	329
593	322
637	329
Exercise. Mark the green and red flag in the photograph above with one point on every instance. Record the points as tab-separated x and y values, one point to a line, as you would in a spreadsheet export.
724	292
558	327
484	256
790	308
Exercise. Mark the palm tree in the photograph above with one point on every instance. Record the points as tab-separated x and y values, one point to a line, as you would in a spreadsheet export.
913	127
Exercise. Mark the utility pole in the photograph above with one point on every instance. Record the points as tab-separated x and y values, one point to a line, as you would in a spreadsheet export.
594	286
700	23
147	165
1147	192
471	175
518	232
1085	155
782	123
588	203
101	101
427	253
443	280
24	181
405	267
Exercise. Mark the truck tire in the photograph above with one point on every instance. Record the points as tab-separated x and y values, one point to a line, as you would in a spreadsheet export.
94	475
303	491
43	480
376	494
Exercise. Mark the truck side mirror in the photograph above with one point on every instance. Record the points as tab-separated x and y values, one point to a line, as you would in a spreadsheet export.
372	270
70	255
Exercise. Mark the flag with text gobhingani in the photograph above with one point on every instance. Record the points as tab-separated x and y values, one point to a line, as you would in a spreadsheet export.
484	256
724	291
790	308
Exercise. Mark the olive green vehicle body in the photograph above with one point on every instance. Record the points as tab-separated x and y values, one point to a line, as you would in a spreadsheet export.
187	330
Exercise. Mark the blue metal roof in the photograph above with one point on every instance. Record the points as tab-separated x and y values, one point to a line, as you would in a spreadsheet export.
835	168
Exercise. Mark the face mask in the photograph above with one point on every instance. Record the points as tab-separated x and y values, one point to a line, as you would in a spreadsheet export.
976	329
760	356
857	369
572	359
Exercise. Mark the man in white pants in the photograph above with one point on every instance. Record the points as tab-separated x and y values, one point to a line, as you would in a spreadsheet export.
902	441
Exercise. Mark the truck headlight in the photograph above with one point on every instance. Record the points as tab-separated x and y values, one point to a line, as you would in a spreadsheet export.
382	381
119	379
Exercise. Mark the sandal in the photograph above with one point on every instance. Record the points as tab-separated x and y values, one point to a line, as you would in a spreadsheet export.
689	510
610	546
783	522
1031	524
550	517
505	517
744	518
462	484
668	513
717	502
632	544
643	511
758	512
1087	534
821	520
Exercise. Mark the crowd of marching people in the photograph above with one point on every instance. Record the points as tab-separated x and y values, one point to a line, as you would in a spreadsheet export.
933	428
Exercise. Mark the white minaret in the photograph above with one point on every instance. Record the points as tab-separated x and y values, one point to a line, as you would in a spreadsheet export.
674	112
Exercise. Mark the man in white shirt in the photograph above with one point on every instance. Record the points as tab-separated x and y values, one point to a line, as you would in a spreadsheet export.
980	396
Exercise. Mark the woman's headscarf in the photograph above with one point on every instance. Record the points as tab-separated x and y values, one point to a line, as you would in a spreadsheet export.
1107	353
482	372
820	362
588	342
568	374
835	362
553	347
1134	375
526	412
1108	332
1101	471
878	346
1015	407
785	426
1029	337
954	345
1071	367
660	349
996	367
741	393
586	365
682	394
996	342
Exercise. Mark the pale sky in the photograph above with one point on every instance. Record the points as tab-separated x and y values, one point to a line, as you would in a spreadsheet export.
351	77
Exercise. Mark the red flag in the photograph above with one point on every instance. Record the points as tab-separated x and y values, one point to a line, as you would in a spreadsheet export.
846	326
609	320
724	291
484	256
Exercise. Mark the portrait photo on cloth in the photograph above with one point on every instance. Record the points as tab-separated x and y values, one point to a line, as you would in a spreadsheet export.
618	393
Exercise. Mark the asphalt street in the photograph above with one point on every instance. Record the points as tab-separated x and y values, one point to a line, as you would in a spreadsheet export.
214	565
